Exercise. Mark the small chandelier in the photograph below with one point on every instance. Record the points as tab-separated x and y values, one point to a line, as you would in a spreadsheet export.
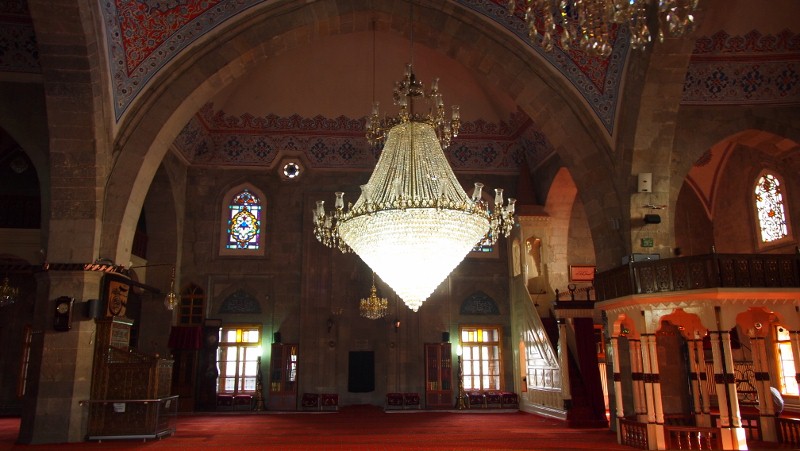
172	298
589	24
373	307
413	223
8	294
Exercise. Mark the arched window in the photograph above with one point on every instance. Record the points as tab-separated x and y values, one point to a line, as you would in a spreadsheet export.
769	199
242	222
191	310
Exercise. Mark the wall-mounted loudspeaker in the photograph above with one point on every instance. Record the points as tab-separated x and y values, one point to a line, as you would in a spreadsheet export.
92	307
652	219
445	337
645	182
276	337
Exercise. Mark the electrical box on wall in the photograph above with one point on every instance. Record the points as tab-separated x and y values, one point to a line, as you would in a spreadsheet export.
645	182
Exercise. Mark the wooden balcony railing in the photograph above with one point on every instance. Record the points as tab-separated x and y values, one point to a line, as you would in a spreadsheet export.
692	437
633	433
699	272
788	431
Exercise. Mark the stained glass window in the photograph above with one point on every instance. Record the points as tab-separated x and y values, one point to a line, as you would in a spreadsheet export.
244	222
769	203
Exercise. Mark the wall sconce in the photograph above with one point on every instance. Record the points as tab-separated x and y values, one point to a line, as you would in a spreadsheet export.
396	325
8	294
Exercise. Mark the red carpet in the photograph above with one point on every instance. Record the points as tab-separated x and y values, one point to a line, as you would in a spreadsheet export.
355	428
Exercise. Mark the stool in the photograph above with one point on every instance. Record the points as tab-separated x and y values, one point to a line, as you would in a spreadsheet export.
475	399
394	401
509	399
224	402
411	400
329	401
310	401
243	402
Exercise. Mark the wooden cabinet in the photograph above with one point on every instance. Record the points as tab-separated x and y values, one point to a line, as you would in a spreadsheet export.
283	377
438	376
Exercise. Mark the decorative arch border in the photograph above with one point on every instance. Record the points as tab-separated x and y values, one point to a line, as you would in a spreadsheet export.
479	303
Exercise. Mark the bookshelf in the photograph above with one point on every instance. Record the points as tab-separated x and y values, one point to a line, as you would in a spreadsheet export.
283	377
438	376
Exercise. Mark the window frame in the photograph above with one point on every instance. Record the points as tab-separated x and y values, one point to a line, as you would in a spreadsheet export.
224	217
241	361
467	373
784	373
193	297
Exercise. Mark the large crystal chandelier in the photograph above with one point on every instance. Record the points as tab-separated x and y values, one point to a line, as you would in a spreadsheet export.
589	24
413	223
373	307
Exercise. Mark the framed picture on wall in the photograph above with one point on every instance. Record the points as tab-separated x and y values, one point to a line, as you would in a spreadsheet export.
581	273
115	294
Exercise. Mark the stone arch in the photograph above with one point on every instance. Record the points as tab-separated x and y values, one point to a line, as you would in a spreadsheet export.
154	122
560	201
756	321
77	128
625	326
689	324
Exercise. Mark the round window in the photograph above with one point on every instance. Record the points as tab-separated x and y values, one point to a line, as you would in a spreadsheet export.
291	170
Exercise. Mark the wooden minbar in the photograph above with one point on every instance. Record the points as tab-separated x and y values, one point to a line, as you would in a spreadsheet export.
130	393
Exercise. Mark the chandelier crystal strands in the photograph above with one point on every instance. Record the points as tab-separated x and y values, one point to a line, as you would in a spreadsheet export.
373	307
8	293
589	24
413	223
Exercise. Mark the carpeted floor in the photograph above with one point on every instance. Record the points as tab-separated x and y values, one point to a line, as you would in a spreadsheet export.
355	428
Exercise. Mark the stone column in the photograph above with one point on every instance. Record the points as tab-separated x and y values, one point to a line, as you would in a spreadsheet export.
652	384
639	403
733	435
704	417
766	407
620	411
60	372
694	376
